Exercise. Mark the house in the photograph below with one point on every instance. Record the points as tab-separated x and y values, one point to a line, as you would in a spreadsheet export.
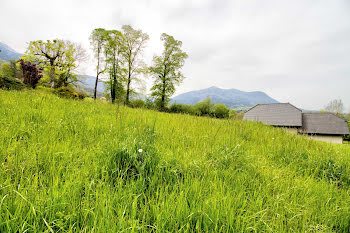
324	127
280	114
319	126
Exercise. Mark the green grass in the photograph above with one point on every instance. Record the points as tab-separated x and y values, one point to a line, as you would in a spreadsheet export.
75	166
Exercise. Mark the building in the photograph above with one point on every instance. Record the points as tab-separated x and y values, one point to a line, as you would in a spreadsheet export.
324	127
319	126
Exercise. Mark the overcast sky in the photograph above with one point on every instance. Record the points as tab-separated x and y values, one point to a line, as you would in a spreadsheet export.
296	51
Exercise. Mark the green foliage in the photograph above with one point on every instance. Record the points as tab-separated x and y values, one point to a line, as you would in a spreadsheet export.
183	108
11	84
232	114
221	111
166	70
149	104
114	47
82	95
205	107
58	59
98	40
6	70
134	42
139	103
66	92
79	166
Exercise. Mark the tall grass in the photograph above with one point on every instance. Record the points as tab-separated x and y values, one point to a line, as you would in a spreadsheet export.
83	166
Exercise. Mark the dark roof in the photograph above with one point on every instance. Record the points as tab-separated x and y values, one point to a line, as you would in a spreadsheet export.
324	123
279	114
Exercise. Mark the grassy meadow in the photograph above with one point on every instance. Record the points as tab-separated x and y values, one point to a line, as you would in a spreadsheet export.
85	166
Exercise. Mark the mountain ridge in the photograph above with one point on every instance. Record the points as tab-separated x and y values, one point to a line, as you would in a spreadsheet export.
7	53
232	98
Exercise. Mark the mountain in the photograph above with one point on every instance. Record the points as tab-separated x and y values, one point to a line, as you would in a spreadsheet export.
7	53
87	84
232	98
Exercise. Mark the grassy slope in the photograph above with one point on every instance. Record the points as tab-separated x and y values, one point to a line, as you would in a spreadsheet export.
74	166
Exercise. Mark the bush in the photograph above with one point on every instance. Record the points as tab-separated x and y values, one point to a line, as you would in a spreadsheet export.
177	108
82	95
221	111
11	84
205	107
137	103
233	114
66	92
149	104
30	73
183	108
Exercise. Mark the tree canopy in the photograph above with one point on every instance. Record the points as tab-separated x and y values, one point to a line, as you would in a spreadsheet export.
166	70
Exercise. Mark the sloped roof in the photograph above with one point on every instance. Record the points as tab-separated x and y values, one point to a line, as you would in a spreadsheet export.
324	123
279	114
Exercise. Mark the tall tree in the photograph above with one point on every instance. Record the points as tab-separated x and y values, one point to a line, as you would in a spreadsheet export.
166	70
114	48
98	40
335	106
135	41
74	55
47	55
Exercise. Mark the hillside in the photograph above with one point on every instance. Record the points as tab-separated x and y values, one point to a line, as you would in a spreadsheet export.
232	98
87	84
7	53
90	166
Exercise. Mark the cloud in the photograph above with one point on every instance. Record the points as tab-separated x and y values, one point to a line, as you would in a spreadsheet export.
296	51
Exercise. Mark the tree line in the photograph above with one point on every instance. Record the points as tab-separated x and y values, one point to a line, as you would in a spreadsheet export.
119	55
119	58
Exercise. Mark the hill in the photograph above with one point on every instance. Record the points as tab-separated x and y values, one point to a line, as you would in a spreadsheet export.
83	166
232	98
87	84
7	53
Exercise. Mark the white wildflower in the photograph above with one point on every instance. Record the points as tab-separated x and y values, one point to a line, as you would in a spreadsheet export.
140	150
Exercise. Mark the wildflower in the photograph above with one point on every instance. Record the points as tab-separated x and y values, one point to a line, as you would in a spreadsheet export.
273	138
140	150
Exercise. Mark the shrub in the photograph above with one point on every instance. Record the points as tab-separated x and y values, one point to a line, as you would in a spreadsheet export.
11	84
149	104
221	111
239	116
183	108
66	92
233	114
30	73
177	108
205	107
82	95
139	103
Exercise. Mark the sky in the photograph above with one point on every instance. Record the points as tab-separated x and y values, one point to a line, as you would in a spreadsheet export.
295	51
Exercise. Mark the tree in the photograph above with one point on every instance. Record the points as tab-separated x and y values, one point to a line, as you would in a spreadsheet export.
134	41
335	106
114	48
166	70
47	55
73	56
205	107
30	73
221	111
7	70
97	40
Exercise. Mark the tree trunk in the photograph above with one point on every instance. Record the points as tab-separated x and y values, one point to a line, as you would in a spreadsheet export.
162	104
52	76
128	89
95	90
97	72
